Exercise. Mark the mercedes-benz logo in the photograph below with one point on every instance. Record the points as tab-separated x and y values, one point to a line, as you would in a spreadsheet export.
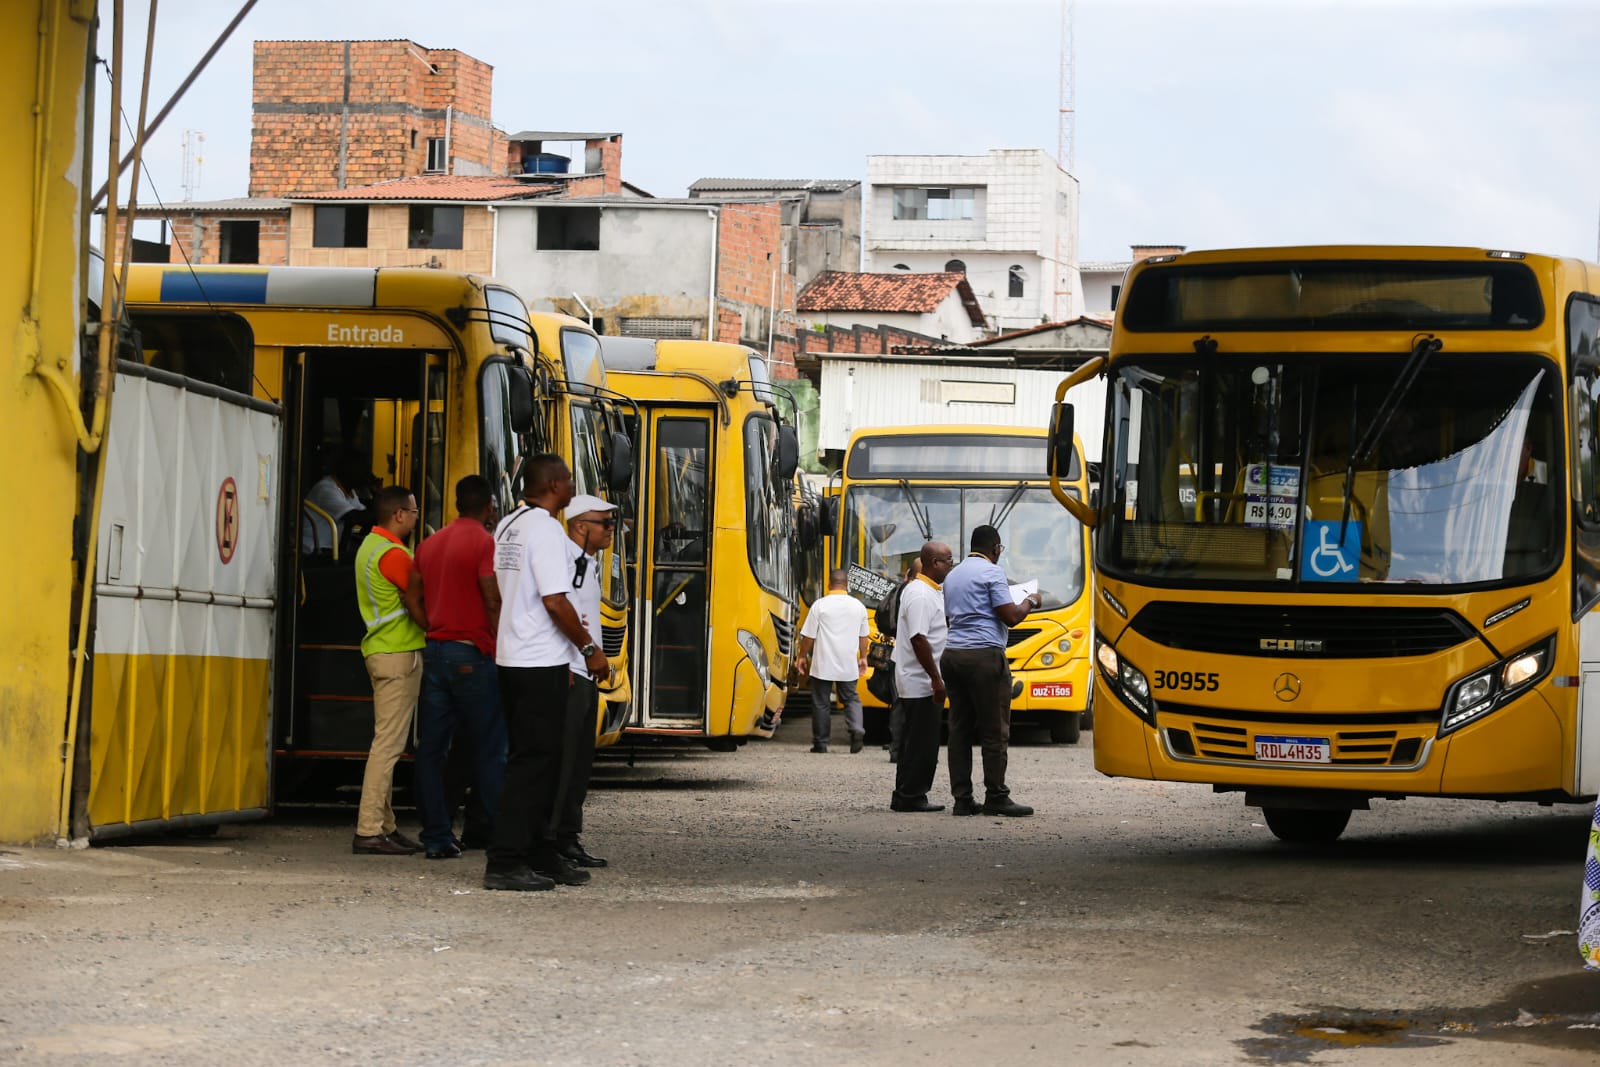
1286	686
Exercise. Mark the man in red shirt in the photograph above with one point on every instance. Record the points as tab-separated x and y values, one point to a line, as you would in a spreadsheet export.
460	691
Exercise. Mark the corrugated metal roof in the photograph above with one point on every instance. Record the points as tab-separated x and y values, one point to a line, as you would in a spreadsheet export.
729	185
560	135
233	204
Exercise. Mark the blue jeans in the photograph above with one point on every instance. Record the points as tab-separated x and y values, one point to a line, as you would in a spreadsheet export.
460	703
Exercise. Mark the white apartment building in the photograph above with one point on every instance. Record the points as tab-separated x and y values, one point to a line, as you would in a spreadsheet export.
1008	219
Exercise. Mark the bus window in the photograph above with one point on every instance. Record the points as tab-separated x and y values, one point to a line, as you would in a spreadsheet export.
1037	546
768	509
508	318
885	526
208	346
580	353
503	447
680	586
682	493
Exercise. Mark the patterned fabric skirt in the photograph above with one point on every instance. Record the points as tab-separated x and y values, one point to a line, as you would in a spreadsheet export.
1589	910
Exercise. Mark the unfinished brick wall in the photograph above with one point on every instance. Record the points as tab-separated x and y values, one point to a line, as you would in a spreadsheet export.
750	259
388	230
332	114
196	237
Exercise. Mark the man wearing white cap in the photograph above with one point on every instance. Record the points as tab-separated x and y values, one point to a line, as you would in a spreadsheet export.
591	524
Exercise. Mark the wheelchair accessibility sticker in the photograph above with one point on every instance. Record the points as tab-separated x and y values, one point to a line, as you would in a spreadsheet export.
1324	558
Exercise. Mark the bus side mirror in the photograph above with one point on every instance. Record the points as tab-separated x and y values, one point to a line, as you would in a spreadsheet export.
830	514
788	452
1061	440
520	402
619	474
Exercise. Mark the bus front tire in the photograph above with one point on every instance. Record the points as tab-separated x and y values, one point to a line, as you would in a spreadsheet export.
1307	826
1066	727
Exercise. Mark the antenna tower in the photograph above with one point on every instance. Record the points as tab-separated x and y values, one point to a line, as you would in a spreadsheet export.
194	142
1064	125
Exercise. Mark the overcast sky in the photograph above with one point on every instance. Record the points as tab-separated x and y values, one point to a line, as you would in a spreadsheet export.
1197	123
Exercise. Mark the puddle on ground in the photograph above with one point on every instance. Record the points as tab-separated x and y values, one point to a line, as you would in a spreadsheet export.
1561	1012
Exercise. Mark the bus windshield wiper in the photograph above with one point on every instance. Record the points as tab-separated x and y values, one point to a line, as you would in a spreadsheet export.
918	513
1001	512
1426	346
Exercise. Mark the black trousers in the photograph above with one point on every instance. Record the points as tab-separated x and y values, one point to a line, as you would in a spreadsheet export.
978	683
535	703
577	761
919	748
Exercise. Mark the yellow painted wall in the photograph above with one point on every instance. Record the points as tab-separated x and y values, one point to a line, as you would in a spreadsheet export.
41	314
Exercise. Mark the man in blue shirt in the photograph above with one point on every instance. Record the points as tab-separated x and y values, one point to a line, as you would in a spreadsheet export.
977	676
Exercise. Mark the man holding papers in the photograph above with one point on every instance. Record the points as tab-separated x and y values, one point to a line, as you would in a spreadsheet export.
981	607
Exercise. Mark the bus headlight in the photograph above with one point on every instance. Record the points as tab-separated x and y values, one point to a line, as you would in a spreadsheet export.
758	655
1478	694
1128	681
1064	645
1047	658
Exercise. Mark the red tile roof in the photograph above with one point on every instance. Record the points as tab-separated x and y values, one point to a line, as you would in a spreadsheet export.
485	187
838	290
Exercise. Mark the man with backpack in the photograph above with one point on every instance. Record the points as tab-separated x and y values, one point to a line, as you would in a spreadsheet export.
887	621
836	629
920	634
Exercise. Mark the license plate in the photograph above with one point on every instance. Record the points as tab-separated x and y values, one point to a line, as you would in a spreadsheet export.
1052	690
1293	750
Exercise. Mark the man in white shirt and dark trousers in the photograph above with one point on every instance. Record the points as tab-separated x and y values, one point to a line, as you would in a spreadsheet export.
837	629
591	525
539	628
920	635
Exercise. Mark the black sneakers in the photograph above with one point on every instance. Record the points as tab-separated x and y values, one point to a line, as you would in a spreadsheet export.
965	806
522	879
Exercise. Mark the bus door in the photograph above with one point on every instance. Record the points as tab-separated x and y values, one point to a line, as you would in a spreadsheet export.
676	526
184	603
367	415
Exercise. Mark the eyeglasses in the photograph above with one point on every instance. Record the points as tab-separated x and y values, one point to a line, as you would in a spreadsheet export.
580	567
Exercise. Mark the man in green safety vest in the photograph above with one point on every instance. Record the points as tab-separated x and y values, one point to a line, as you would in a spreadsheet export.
397	628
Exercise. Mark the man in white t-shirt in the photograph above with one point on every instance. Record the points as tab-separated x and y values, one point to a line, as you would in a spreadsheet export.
837	629
591	525
539	629
920	634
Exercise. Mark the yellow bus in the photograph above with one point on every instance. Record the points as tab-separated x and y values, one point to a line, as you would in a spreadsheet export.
1348	536
589	427
713	529
903	485
227	632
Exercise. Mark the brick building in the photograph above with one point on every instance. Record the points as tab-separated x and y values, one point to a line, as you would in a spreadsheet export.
336	114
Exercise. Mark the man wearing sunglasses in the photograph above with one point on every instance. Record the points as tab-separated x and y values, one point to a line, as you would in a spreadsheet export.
539	628
591	524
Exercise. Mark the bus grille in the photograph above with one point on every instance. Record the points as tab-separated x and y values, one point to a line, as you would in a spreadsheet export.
1327	632
784	629
1017	636
1348	748
611	638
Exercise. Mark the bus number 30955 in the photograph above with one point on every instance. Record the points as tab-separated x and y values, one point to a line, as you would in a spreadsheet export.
1197	681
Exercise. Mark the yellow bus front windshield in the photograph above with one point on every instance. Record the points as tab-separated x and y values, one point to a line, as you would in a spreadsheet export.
1334	469
886	525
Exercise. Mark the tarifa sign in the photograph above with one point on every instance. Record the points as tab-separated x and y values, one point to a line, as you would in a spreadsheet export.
366	335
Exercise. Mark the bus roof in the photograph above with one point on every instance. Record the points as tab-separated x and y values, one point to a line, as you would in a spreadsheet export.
714	359
151	283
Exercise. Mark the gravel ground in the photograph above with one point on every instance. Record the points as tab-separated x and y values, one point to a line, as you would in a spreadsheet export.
766	907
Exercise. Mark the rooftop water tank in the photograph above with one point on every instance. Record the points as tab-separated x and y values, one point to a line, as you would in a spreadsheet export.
545	163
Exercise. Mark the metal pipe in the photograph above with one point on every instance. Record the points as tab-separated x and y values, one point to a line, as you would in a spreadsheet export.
449	111
586	309
711	295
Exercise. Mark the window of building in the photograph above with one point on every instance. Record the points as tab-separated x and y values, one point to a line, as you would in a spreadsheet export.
436	157
568	229
957	266
1116	293
239	241
1017	278
340	226
902	266
434	227
922	202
